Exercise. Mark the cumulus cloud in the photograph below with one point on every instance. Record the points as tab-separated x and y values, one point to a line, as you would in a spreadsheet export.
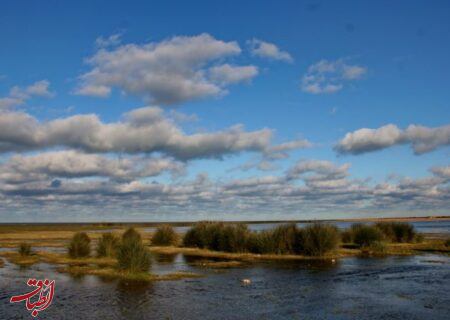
442	172
422	139
310	186
280	151
144	130
265	161
228	74
319	173
330	76
168	72
75	164
268	50
19	96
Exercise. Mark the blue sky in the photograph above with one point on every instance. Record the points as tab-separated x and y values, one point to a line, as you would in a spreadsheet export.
369	64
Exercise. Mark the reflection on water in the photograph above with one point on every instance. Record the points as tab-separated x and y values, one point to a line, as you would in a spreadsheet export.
353	288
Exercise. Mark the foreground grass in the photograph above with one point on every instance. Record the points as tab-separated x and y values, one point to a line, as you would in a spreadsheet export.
114	273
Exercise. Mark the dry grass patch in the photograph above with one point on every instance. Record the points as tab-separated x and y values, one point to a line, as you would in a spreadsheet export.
205	253
123	275
20	260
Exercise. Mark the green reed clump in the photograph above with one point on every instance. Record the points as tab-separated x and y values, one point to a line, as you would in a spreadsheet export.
204	234
80	245
318	239
233	237
397	231
108	245
164	235
286	239
218	236
25	249
365	235
132	255
261	242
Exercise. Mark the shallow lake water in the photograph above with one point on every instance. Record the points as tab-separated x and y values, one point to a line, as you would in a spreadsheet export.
414	287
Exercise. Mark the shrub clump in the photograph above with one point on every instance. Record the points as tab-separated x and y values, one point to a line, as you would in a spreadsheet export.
108	245
132	255
25	249
164	236
233	238
366	235
204	234
218	236
286	239
397	231
315	240
260	242
80	245
318	239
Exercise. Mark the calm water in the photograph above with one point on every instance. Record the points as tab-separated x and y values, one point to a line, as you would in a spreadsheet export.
354	288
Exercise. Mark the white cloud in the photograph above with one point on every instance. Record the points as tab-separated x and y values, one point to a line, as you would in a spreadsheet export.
330	76
443	172
18	96
112	40
268	50
94	91
280	151
317	186
74	164
322	170
169	72
227	74
144	130
422	139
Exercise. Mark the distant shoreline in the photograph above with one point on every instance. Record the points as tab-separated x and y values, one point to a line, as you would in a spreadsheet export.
189	223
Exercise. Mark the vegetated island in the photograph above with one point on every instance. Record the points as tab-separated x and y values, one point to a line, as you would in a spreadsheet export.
127	254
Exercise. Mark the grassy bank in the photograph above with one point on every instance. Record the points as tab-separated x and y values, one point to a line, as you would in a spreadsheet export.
115	273
432	246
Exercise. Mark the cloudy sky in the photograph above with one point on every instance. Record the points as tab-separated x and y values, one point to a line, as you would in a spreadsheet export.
177	110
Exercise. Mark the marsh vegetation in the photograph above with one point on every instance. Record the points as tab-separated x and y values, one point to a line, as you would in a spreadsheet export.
132	254
80	245
313	240
164	235
108	245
